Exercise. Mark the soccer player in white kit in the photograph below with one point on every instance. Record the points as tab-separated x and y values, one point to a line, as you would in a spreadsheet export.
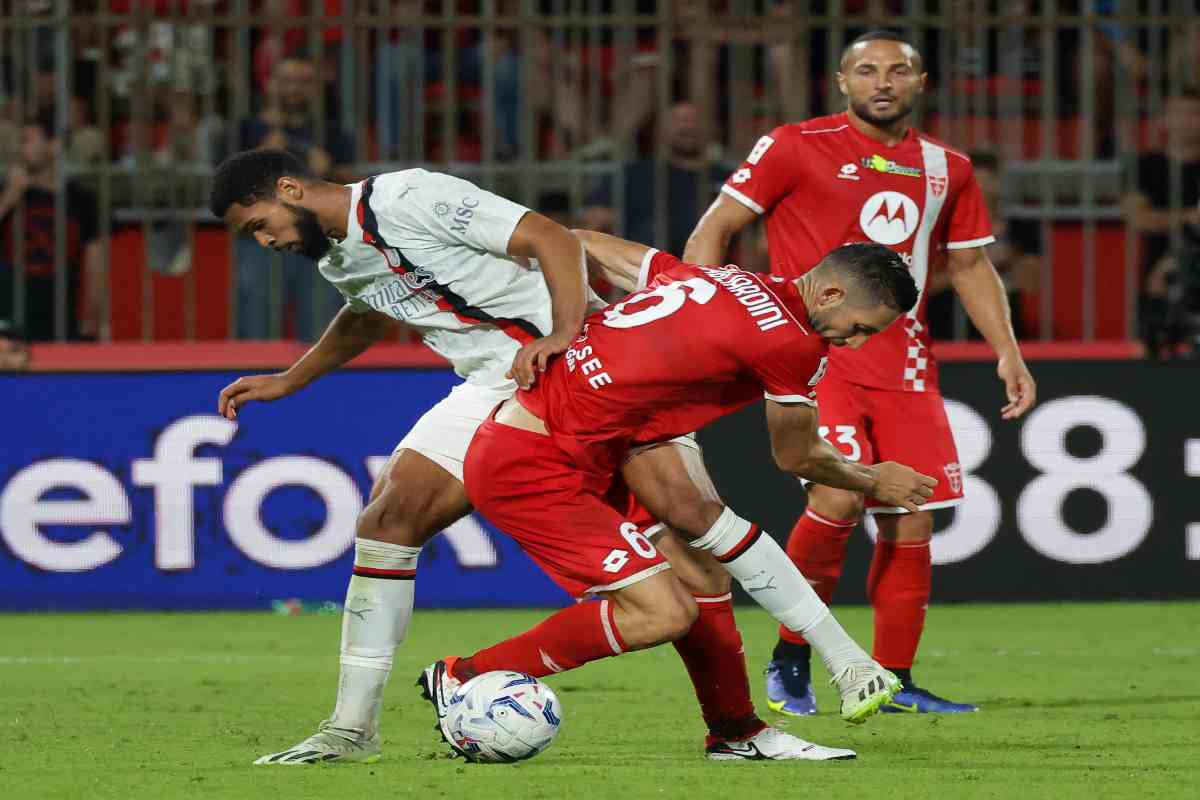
455	262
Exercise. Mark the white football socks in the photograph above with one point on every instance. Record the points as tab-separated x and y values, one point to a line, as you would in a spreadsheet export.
379	607
764	570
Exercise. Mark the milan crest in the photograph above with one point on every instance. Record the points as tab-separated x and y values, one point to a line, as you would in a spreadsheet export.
954	476
937	184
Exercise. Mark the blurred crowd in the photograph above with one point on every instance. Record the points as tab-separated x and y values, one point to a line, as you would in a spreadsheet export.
155	93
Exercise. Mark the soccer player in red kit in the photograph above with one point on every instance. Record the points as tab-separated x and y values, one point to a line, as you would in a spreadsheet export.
694	344
866	175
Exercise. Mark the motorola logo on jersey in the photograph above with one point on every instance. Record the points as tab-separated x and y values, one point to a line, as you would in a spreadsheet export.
889	217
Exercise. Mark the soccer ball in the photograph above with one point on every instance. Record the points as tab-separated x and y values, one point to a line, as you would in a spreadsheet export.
501	717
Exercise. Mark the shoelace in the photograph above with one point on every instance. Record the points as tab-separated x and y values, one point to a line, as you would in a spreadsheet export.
850	674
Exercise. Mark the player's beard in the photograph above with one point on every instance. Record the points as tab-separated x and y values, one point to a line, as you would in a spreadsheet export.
864	112
314	243
818	322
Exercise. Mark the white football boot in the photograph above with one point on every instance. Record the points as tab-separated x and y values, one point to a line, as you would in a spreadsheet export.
438	686
772	744
864	688
329	743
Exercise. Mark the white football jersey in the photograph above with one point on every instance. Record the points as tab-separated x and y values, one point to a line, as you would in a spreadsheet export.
429	249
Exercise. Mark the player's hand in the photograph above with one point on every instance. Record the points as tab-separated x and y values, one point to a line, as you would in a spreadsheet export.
1018	385
899	485
533	357
262	388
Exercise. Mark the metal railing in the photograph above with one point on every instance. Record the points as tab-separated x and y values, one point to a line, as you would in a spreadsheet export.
540	100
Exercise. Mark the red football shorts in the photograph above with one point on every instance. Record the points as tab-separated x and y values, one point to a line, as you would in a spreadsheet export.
531	490
873	425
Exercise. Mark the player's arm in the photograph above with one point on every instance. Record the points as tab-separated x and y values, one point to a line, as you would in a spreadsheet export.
618	261
348	335
773	169
799	449
487	222
986	303
560	256
720	223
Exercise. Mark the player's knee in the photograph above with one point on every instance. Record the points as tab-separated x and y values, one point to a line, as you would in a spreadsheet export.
905	528
394	517
708	584
835	503
697	570
646	619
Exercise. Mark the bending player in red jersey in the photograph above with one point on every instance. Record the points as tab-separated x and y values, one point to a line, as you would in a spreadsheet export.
867	175
694	344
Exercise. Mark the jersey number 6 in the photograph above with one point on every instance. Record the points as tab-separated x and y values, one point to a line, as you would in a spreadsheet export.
671	296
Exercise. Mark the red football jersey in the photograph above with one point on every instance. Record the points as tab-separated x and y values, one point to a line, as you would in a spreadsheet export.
694	344
822	184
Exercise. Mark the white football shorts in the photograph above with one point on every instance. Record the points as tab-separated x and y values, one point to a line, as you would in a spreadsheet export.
444	432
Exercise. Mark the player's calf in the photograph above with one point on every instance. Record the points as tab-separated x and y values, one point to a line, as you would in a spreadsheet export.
699	572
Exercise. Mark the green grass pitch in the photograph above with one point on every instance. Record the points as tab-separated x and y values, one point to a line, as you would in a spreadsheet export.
1080	701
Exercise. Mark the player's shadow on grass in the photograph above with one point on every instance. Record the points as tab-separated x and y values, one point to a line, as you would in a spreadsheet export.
1102	701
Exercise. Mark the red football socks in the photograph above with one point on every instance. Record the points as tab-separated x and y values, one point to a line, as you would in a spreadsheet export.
712	652
817	547
570	638
898	587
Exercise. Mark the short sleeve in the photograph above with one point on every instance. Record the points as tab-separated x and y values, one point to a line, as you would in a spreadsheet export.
969	224
654	263
455	211
769	172
790	372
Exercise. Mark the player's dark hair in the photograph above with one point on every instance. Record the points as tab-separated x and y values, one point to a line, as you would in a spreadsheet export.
880	35
247	177
879	272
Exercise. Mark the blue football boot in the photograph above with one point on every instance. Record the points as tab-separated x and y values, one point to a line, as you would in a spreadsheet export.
915	700
789	689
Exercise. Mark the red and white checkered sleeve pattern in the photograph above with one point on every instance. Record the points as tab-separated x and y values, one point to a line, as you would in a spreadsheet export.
916	358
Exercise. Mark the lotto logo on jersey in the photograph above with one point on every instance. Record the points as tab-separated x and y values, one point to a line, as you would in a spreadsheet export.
889	217
741	176
760	149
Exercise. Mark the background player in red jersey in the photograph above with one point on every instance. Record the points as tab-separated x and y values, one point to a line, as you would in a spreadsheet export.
866	175
695	344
